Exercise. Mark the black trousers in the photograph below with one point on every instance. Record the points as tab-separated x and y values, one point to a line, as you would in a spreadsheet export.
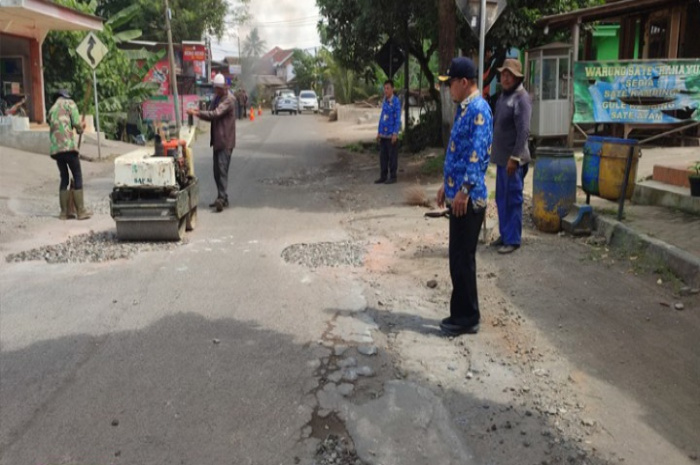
222	160
464	235
69	161
388	158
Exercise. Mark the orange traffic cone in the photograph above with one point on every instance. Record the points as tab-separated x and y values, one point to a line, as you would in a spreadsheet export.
252	113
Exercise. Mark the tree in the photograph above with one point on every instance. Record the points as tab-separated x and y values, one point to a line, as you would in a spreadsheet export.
356	30
119	76
309	70
253	45
191	19
447	16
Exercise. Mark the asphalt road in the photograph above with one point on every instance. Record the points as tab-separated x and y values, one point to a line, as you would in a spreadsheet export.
202	354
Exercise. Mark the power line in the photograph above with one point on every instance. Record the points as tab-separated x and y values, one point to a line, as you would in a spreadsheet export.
296	20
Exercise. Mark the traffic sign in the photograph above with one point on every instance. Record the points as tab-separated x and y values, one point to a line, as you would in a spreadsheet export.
92	50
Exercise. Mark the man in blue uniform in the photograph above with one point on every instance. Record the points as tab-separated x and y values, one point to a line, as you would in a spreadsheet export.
464	191
388	135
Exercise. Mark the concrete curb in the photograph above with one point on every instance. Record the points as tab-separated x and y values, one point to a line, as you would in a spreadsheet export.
683	264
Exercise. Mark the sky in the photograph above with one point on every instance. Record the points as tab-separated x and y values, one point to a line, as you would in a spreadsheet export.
282	23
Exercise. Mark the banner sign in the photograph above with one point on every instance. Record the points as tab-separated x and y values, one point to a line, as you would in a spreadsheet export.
194	53
160	74
649	92
162	108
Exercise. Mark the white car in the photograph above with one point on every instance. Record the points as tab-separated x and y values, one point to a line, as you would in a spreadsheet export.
308	101
285	100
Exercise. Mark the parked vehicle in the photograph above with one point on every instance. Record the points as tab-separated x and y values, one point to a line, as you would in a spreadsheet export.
308	101
285	100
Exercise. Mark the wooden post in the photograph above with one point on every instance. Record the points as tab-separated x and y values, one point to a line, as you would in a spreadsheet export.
37	85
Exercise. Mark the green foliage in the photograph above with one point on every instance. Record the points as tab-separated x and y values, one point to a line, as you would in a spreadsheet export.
308	70
349	85
695	167
426	133
433	166
516	26
355	147
119	77
356	30
191	19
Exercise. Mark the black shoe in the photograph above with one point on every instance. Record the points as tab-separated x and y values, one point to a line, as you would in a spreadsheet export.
498	242
380	181
213	204
390	181
225	203
219	205
451	329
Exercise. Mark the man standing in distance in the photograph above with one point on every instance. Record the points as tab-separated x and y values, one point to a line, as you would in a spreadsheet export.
222	114
511	154
464	191
388	135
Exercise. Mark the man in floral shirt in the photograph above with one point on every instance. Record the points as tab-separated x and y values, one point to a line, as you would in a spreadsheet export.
64	121
388	135
464	191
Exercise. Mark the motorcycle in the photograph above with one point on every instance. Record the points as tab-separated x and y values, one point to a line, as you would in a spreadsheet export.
15	105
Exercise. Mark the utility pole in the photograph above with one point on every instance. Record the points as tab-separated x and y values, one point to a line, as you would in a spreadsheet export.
209	53
482	44
173	76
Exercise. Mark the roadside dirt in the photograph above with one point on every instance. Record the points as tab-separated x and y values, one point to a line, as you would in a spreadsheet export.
581	358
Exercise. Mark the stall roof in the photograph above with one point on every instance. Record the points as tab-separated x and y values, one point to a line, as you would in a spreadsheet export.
269	80
35	18
551	46
601	12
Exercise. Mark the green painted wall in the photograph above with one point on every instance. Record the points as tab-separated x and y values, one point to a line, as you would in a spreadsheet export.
606	42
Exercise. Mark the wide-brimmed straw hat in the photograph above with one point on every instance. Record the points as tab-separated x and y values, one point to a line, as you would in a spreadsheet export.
512	65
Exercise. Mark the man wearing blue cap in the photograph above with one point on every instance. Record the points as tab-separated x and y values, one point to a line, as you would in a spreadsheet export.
464	191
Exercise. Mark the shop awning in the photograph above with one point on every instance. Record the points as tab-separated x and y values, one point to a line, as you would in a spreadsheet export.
35	18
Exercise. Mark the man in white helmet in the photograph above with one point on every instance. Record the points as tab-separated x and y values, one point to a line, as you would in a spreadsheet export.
222	114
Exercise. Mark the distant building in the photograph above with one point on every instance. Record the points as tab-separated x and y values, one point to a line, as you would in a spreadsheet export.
279	63
24	25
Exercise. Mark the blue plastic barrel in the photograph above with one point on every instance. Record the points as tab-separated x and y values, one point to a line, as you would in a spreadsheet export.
554	187
590	171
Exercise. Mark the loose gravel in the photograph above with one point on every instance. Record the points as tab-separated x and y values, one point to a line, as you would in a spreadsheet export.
333	254
92	247
336	451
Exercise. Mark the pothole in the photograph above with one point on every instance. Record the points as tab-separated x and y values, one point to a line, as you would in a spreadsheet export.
91	247
333	254
335	450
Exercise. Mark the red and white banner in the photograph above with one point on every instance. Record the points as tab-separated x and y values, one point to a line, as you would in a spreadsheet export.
194	53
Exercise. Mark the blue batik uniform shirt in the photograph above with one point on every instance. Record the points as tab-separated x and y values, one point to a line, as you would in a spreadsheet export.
390	119
469	150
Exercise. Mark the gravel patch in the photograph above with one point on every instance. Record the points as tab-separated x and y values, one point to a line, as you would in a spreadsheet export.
92	247
331	254
336	451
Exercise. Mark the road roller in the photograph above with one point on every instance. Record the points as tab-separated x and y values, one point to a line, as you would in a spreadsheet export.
155	195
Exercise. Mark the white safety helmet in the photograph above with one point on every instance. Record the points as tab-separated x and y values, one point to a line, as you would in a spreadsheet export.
219	81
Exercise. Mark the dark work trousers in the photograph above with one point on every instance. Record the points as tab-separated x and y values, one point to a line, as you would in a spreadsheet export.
388	158
222	160
509	201
464	235
69	161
